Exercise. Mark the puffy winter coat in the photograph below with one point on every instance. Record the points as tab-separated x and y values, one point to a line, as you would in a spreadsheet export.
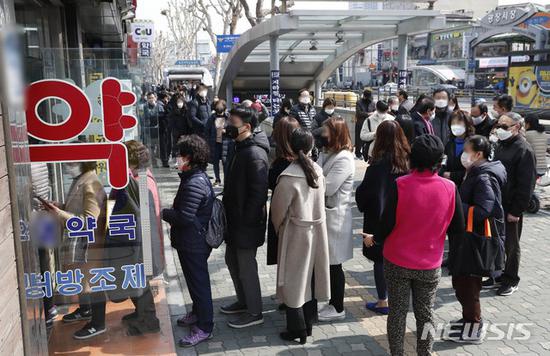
190	213
304	114
199	113
245	192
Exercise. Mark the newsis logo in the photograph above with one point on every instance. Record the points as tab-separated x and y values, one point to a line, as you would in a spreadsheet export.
489	331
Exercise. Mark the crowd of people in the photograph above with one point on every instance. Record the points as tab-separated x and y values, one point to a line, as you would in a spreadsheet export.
435	173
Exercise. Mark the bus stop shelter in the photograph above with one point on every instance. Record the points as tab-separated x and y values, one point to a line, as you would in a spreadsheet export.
302	48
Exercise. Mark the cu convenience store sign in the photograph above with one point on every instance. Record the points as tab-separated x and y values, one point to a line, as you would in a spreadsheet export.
57	146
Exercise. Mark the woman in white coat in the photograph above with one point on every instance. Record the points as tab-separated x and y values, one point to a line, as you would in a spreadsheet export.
368	131
337	161
299	219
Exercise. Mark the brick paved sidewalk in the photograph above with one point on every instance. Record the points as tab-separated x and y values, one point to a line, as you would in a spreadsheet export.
363	332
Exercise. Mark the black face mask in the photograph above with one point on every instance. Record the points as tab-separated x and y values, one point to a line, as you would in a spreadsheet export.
232	131
324	141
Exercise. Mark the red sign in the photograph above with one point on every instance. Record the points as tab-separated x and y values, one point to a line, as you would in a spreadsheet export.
113	99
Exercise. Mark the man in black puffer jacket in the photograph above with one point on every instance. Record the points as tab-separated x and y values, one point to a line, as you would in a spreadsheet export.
200	111
519	160
245	196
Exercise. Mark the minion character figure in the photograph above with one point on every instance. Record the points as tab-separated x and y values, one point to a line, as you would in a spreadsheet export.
527	89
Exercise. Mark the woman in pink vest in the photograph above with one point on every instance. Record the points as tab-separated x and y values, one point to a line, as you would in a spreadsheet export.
421	208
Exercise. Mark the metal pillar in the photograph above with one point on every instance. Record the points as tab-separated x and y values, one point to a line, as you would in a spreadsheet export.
274	74
229	94
403	47
318	93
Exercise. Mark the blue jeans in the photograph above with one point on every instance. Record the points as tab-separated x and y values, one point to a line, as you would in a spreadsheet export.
195	271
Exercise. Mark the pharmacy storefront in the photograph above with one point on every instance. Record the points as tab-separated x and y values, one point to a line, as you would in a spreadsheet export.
81	239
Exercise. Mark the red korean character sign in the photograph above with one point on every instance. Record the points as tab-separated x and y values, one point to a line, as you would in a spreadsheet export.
113	100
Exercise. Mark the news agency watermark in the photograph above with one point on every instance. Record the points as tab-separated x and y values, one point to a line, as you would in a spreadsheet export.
477	331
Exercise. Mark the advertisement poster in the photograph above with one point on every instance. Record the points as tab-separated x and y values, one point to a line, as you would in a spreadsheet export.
530	86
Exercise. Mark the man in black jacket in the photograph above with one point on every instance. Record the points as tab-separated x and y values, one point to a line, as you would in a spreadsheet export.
442	117
519	160
245	196
200	111
481	119
363	109
422	118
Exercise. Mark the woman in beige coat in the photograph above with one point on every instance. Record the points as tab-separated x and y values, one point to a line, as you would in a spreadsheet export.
299	219
86	198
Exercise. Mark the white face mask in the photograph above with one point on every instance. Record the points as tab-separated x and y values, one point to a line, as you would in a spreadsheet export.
452	107
493	138
304	100
202	94
503	134
73	170
458	130
180	104
329	111
441	103
432	116
466	160
478	119
395	107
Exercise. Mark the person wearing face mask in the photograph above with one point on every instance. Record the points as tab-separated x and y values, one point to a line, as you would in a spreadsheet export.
368	131
86	198
442	117
179	122
423	116
503	105
461	129
304	111
483	123
188	218
329	105
393	104
165	134
363	109
338	165
218	142
245	197
153	113
286	106
453	104
481	193
518	158
200	111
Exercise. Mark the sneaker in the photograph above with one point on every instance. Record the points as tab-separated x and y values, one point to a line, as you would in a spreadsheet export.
329	313
491	283
77	315
472	333
88	331
246	320
234	308
187	320
506	290
195	337
217	183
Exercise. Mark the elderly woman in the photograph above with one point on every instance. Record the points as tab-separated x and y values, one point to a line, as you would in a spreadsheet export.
413	249
188	218
338	166
298	216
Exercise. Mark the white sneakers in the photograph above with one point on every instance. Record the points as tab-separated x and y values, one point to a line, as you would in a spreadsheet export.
329	313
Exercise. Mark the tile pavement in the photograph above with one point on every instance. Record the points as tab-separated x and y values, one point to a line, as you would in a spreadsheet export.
362	332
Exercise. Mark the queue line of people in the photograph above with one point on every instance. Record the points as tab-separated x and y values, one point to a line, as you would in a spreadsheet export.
445	163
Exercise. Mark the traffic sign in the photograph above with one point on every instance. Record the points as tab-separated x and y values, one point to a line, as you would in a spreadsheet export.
224	43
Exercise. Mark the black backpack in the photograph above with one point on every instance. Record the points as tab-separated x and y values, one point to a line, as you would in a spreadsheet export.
217	226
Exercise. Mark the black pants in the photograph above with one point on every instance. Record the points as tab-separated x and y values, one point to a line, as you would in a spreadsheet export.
301	319
337	287
467	290
218	156
243	269
358	142
195	271
513	252
165	142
